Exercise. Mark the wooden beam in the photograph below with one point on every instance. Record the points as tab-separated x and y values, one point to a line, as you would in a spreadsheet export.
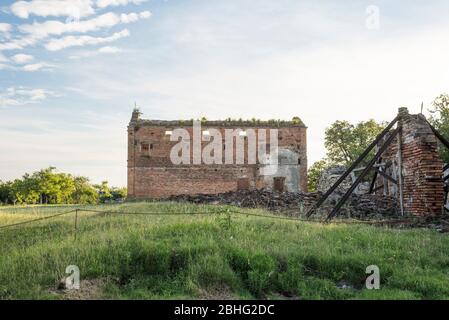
400	178
352	167
362	175
438	135
383	174
373	182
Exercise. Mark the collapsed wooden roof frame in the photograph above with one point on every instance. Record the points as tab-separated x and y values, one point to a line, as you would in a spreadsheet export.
370	166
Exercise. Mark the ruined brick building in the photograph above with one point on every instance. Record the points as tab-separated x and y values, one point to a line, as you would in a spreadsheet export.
152	173
415	149
406	166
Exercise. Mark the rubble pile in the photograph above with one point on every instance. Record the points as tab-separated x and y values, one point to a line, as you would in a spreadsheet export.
370	205
357	205
254	199
329	177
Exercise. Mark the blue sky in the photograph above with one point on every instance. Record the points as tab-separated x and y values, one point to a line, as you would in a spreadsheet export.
71	70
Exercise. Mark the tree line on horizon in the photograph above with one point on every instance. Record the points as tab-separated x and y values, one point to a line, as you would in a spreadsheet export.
345	141
47	186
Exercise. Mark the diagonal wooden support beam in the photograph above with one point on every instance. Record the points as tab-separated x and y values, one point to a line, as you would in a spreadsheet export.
373	182
372	187
440	137
352	167
383	174
446	167
362	175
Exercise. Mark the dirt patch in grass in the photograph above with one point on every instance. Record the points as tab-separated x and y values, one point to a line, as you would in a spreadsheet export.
90	289
221	293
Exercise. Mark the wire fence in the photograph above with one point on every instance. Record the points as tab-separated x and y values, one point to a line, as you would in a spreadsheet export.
202	213
37	219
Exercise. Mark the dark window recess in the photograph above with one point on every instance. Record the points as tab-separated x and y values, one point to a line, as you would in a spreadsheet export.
279	184
144	147
299	161
151	146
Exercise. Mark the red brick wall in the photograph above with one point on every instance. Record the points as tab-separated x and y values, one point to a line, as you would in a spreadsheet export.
423	188
151	174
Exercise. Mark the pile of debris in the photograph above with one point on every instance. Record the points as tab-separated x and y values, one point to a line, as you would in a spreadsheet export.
254	199
377	208
369	206
358	206
329	177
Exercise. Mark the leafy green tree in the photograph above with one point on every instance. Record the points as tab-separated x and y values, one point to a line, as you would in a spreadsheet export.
440	120
46	181
345	141
119	193
314	173
84	192
104	191
29	189
6	193
65	187
46	186
17	192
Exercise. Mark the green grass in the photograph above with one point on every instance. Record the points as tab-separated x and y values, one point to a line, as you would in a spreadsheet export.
188	256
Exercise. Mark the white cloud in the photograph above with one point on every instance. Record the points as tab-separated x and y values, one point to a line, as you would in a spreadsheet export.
114	3
57	8
133	17
33	67
108	49
37	32
72	41
18	44
5	28
145	14
102	50
22	58
106	20
22	62
21	95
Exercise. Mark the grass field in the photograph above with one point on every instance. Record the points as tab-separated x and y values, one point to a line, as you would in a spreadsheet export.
138	256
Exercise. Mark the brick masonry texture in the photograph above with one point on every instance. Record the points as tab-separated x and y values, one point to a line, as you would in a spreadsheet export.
151	174
423	188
